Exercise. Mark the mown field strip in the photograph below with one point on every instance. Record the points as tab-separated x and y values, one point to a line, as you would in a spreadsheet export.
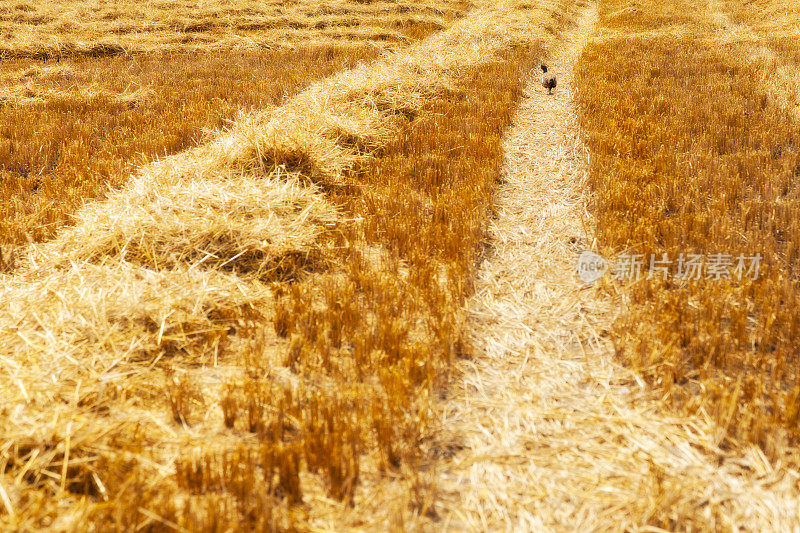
543	431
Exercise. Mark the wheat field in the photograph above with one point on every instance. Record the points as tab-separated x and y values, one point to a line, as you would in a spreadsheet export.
240	242
728	186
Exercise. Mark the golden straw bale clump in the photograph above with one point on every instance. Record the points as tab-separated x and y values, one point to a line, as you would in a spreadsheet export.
252	226
93	318
180	389
691	154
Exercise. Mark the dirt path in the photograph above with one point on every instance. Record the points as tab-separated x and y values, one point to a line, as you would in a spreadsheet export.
542	430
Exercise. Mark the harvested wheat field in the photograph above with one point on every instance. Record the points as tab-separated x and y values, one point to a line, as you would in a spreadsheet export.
347	266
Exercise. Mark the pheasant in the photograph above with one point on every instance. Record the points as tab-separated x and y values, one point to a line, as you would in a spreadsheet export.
548	80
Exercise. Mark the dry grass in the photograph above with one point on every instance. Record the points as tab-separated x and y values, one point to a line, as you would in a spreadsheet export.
46	29
250	330
692	152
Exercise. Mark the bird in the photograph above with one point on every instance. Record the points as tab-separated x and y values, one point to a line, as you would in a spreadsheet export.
548	80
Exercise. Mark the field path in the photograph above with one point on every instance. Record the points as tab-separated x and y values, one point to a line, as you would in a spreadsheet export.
542	430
